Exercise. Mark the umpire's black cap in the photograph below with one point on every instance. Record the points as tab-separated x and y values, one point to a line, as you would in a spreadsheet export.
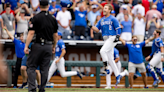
44	2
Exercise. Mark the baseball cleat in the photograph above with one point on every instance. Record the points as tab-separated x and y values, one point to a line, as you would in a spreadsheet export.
107	87
79	74
118	79
155	83
126	72
104	73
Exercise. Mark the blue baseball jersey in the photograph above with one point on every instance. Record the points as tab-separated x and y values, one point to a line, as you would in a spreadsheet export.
157	43
109	26
135	52
19	48
116	53
59	46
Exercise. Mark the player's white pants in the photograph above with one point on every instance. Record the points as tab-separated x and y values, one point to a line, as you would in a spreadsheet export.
156	62
107	53
61	67
108	77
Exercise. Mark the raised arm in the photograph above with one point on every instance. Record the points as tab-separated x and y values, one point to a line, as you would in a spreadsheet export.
18	17
123	41
7	31
74	5
148	40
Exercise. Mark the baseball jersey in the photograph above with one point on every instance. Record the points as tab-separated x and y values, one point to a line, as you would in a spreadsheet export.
135	52
19	48
59	46
109	26
157	43
116	53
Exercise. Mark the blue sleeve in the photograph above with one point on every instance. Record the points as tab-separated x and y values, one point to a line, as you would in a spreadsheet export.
75	12
126	45
15	41
117	26
61	45
6	1
98	25
160	43
142	44
98	14
152	52
49	8
116	53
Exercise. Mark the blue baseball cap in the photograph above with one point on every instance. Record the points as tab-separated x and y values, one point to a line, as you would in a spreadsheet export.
59	33
66	3
53	0
112	12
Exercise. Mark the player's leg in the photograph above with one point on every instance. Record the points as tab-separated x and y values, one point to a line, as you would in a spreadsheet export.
142	70
52	69
63	73
38	77
159	70
150	67
105	49
17	71
131	69
125	72
108	78
24	72
113	65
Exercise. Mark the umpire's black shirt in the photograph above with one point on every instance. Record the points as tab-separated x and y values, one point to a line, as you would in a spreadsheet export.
44	25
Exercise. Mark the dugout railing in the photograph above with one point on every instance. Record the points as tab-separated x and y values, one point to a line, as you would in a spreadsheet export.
69	64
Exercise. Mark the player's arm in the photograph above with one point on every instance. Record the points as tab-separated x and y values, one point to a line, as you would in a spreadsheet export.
117	28
29	37
117	59
95	29
123	41
62	55
55	42
148	40
7	31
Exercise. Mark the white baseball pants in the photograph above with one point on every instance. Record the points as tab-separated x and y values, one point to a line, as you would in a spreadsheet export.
108	77
61	67
107	53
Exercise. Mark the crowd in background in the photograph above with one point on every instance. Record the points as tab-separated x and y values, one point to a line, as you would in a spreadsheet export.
136	17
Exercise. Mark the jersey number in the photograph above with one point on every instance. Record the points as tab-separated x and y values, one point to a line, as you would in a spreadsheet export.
110	27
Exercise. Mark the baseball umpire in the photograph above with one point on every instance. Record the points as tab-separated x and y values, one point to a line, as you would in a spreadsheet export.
45	27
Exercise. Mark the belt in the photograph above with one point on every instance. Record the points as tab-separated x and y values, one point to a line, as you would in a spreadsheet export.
46	42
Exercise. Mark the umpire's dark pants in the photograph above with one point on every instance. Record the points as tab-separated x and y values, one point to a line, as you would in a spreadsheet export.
17	71
40	55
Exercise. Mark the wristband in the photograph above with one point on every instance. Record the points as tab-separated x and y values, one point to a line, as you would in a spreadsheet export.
162	55
163	26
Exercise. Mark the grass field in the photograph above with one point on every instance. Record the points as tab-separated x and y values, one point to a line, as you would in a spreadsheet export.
87	90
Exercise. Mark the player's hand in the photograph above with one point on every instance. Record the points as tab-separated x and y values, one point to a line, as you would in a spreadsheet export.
26	50
117	38
147	58
53	50
57	61
162	59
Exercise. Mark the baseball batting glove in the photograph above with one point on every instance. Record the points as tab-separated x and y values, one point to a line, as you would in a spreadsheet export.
117	38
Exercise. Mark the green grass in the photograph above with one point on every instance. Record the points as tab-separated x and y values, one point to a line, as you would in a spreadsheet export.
87	90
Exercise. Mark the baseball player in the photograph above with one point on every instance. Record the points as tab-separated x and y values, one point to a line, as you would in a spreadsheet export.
118	63
59	62
158	57
110	28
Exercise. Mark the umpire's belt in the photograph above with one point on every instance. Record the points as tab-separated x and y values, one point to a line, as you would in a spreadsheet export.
45	42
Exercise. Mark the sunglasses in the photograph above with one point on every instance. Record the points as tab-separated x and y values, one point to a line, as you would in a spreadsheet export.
135	39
